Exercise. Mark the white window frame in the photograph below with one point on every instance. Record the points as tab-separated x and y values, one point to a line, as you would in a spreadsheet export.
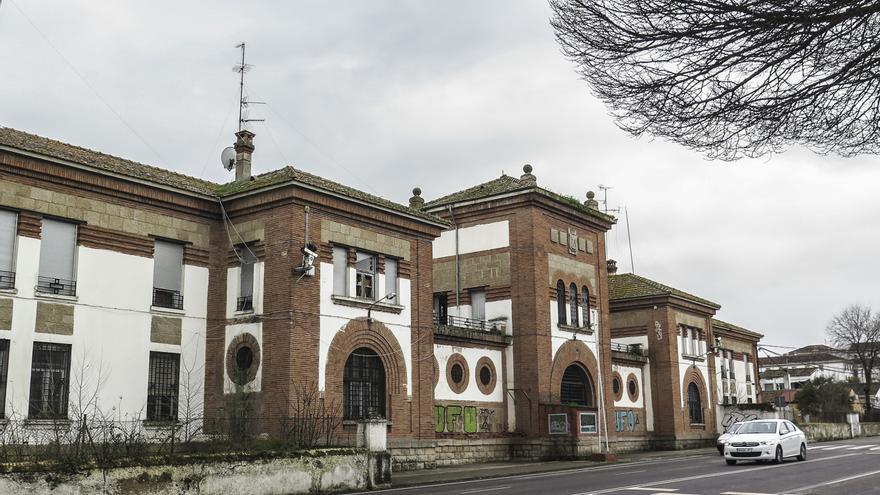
586	428
361	276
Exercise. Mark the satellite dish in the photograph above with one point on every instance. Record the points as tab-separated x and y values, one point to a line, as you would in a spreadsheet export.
227	158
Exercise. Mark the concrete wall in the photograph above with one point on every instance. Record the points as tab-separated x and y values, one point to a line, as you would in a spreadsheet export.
323	473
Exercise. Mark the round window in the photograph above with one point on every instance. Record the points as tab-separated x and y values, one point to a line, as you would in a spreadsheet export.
485	376
244	357
615	386
633	388
457	373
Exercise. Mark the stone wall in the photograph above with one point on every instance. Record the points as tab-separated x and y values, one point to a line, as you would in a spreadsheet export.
823	432
322	472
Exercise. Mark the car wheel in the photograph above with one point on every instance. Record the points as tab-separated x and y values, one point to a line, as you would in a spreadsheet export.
730	462
803	455
778	458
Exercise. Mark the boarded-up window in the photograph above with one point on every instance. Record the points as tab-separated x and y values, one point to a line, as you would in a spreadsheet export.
340	271
57	250
391	279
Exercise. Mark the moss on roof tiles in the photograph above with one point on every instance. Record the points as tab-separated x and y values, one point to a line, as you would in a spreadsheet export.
735	328
16	139
56	149
631	286
288	174
507	184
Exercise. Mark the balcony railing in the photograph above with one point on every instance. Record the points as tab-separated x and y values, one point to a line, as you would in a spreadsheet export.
59	286
7	280
244	303
458	321
165	298
628	348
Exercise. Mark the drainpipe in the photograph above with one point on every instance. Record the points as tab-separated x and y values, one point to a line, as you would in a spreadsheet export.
457	265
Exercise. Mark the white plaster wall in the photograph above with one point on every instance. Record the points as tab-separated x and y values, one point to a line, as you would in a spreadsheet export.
558	336
110	344
472	393
473	239
624	372
232	331
334	317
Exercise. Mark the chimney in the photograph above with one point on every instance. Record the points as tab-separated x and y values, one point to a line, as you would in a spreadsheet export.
416	202
244	148
527	175
612	267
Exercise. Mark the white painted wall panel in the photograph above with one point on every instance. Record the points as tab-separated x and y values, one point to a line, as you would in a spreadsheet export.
472	393
483	237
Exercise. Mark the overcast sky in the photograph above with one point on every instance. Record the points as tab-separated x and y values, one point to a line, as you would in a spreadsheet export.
384	96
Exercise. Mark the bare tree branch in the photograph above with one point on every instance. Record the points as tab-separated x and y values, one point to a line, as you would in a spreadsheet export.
857	330
732	78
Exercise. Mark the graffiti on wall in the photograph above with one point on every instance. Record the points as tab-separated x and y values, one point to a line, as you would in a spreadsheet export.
625	421
735	415
462	419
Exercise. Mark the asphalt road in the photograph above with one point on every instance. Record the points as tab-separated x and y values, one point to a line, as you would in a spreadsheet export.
838	468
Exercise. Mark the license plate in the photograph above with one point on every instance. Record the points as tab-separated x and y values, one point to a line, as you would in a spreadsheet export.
741	449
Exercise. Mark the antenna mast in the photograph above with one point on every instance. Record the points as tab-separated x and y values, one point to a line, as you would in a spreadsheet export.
242	99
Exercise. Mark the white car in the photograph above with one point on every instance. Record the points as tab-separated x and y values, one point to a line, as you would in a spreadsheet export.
729	432
766	440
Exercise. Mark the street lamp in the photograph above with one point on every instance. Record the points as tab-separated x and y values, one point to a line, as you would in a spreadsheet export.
390	295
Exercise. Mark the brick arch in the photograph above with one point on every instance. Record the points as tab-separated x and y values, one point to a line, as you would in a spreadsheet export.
693	375
357	334
573	352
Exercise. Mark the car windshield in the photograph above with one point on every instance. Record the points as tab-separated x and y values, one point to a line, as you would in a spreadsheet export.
757	427
734	428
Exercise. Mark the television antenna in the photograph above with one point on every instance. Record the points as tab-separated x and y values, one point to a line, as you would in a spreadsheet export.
617	210
243	100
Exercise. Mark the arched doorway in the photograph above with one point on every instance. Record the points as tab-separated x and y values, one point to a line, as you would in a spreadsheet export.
363	385
576	387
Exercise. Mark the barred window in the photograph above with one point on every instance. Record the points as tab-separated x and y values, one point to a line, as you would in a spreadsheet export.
50	381
573	295
163	386
168	275
576	387
8	227
363	385
4	374
695	405
560	302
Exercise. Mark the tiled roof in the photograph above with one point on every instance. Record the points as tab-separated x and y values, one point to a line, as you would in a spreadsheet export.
629	286
812	349
793	373
56	149
716	323
19	140
507	184
288	174
819	357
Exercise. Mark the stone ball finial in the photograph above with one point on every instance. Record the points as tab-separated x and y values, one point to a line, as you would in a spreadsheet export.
416	202
527	175
591	201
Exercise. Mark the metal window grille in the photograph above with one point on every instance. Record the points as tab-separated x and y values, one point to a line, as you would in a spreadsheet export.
50	381
364	385
163	386
244	303
60	286
165	298
576	387
573	301
4	373
7	280
560	302
695	405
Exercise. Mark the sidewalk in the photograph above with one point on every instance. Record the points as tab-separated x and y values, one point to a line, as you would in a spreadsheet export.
466	472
